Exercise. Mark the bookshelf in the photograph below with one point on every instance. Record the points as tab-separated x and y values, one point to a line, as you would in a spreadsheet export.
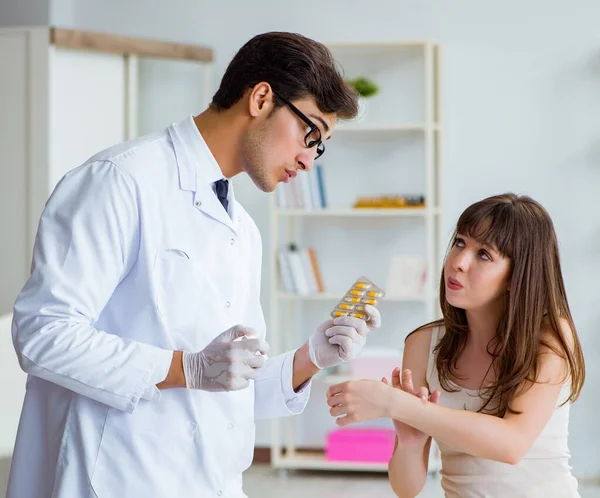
334	296
362	212
393	151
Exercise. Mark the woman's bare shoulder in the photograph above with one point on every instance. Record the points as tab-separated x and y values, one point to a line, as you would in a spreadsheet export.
422	334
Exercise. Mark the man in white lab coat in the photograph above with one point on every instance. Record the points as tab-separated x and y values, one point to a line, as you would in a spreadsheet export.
141	327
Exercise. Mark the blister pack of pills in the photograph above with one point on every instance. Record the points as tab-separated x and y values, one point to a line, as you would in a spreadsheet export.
362	292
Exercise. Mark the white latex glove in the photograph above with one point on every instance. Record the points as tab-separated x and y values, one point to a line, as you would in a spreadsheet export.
341	339
226	364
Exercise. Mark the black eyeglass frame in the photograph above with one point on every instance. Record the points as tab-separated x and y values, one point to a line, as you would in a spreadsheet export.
318	143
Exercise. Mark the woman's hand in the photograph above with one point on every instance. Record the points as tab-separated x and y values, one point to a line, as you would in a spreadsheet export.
359	400
406	434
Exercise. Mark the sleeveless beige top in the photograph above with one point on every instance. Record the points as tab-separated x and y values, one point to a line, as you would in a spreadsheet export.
543	472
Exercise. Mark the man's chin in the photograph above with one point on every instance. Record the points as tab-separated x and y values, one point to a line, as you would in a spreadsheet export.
265	186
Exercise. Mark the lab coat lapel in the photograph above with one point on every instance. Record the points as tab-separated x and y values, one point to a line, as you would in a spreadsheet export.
233	209
188	154
207	201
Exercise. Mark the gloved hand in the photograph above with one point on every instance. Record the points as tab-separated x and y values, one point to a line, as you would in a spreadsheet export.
226	364
341	339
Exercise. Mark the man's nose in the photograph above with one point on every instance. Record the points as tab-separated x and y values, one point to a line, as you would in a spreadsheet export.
306	160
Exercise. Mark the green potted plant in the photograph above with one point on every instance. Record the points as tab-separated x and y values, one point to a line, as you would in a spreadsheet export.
366	89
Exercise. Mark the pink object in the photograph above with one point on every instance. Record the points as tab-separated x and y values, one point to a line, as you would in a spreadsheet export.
360	445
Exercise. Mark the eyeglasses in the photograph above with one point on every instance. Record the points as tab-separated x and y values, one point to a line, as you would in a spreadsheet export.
313	137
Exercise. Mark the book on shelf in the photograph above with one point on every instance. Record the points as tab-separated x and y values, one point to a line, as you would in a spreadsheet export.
299	270
306	191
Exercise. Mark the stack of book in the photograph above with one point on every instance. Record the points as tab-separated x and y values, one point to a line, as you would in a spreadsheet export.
299	271
306	191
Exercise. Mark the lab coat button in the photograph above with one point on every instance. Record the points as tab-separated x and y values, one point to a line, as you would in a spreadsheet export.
230	426
219	493
232	241
198	203
228	304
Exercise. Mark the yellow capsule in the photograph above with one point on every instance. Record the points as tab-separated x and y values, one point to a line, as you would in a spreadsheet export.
370	301
356	292
339	313
352	299
374	294
362	285
358	315
345	306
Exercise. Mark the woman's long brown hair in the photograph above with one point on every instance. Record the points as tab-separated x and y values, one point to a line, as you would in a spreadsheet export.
520	229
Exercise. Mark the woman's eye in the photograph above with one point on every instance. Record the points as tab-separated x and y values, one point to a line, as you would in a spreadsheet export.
485	255
459	242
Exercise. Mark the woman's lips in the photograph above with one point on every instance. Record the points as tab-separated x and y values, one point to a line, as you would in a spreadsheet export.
454	284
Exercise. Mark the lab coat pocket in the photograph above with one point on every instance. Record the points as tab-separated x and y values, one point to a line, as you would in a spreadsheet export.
179	283
146	453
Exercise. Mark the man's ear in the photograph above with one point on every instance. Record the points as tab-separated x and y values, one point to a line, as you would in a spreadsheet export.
260	99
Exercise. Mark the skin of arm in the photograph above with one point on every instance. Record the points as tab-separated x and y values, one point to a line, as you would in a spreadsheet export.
408	466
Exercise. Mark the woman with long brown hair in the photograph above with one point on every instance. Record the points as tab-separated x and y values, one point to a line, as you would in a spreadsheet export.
493	380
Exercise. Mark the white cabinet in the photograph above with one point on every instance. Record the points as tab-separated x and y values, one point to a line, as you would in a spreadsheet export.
65	95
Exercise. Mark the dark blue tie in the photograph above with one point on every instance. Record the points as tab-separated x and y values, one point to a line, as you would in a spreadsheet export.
221	190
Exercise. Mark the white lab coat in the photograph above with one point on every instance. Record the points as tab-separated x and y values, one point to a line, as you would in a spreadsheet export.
134	258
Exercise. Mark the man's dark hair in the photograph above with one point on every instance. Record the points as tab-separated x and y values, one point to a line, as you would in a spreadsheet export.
295	66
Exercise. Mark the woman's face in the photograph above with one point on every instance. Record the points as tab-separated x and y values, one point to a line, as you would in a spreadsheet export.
475	275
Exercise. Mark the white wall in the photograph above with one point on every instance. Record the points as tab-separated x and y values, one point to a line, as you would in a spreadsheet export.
24	12
13	123
520	83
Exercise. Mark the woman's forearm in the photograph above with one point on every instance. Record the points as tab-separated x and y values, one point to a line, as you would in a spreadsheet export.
408	468
476	434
